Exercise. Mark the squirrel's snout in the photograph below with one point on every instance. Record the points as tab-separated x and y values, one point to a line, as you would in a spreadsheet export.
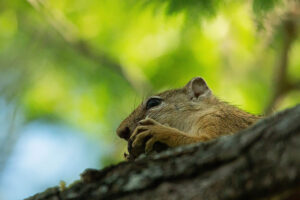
124	132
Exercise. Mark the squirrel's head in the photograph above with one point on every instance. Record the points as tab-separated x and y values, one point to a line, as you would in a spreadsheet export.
172	107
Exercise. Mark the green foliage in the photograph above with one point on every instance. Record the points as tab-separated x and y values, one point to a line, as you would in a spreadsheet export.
195	7
261	6
128	48
208	8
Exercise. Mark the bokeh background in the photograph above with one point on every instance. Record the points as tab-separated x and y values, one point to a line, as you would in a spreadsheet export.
71	70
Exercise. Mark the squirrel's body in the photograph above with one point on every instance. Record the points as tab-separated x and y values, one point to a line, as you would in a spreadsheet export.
182	116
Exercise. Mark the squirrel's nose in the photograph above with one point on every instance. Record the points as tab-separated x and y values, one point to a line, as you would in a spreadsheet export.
124	132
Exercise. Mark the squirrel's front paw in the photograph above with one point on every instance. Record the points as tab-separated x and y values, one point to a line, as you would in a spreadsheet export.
148	135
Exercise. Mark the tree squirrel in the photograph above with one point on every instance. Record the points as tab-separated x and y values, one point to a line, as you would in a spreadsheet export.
181	116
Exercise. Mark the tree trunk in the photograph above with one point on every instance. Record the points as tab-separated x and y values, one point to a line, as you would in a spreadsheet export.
262	162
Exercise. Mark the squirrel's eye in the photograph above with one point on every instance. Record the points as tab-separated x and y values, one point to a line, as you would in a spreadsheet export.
153	102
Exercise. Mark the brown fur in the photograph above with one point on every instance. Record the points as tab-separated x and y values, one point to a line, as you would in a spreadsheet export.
182	119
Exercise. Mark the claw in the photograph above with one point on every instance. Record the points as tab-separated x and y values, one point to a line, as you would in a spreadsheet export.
149	145
141	139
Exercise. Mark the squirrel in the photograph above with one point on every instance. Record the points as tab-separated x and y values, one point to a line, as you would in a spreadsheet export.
179	117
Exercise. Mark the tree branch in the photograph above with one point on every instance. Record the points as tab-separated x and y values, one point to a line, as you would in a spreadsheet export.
69	33
282	83
260	162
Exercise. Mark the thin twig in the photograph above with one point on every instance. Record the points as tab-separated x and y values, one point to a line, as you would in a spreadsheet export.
10	138
69	33
282	82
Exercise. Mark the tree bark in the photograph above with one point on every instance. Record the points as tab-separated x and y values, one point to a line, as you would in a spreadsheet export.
261	162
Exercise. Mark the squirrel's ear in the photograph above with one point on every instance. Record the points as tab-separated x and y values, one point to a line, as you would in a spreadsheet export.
197	87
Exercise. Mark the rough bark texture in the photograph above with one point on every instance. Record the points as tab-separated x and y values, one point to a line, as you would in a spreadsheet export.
262	162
